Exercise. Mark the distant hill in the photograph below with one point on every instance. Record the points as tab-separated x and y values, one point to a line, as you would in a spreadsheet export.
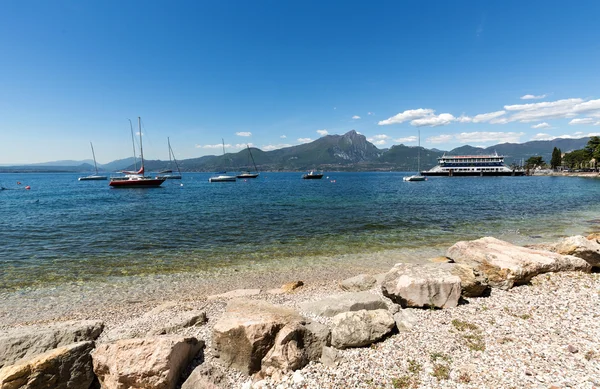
348	152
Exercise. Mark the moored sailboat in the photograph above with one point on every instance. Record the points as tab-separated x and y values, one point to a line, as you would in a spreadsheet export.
137	179
168	174
418	176
93	177
247	174
222	176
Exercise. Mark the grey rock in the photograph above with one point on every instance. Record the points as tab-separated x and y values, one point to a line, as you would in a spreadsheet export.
360	328
330	357
66	367
287	353
345	302
204	376
405	320
358	283
505	265
472	284
25	342
422	285
317	336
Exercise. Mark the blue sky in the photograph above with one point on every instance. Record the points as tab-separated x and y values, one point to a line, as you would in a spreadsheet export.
279	73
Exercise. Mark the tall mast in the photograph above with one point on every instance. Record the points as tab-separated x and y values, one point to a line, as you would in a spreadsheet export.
419	155
223	141
94	155
173	154
249	152
133	146
141	147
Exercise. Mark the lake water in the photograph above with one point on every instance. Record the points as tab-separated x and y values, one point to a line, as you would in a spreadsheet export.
64	230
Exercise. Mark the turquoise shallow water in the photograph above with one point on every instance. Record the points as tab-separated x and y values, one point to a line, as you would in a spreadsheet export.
63	230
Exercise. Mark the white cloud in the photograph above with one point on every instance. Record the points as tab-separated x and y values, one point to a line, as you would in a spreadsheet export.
541	125
304	140
244	133
217	146
442	119
283	136
355	117
381	136
486	117
533	97
464	119
483	136
322	132
405	116
408	139
243	145
584	121
439	139
566	108
542	136
379	142
275	147
369	113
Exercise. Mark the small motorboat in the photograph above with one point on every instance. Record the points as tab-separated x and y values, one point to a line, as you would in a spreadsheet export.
312	176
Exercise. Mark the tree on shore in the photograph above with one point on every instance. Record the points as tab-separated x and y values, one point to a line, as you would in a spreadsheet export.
577	159
534	162
593	149
556	158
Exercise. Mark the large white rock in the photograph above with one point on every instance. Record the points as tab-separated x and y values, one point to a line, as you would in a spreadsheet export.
360	328
154	362
288	352
471	284
579	246
344	302
25	342
505	265
66	367
422	285
246	332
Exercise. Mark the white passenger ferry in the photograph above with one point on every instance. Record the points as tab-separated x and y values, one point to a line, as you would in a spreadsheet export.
472	165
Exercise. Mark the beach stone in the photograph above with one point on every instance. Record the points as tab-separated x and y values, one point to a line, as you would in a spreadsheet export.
360	328
405	320
345	302
152	362
25	342
594	236
234	294
66	367
204	376
287	353
422	285
192	319
578	246
330	357
505	265
316	337
247	330
291	286
471	284
358	283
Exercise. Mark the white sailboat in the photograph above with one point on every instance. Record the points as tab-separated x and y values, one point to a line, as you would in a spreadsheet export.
93	177
169	173
247	174
418	176
222	177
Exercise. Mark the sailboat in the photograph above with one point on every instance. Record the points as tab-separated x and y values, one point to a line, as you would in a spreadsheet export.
93	177
137	179
222	177
247	174
169	173
418	176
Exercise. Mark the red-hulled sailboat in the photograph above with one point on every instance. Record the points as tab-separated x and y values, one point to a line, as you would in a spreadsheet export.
137	179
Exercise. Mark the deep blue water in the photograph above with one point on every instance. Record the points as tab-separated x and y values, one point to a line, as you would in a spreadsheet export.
65	230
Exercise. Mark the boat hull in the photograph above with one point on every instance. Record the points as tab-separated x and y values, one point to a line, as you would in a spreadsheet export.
136	183
93	178
473	174
312	176
172	177
223	179
247	175
414	178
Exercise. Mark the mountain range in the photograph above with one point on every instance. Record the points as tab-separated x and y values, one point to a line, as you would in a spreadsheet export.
348	152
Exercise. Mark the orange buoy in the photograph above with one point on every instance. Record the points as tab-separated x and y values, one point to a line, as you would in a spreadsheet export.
18	182
27	187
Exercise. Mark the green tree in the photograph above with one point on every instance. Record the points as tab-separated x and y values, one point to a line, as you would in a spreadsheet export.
556	158
533	162
577	159
593	149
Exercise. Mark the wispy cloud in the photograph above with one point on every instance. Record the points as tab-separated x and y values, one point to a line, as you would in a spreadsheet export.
227	146
541	125
533	97
439	139
275	147
442	119
369	113
243	133
485	136
322	132
379	139
590	121
576	135
283	136
380	142
542	136
355	117
408	139
486	117
304	140
407	115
